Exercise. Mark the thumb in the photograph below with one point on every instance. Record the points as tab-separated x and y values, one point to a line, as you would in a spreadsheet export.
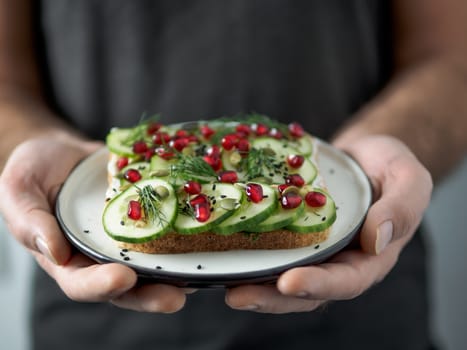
405	189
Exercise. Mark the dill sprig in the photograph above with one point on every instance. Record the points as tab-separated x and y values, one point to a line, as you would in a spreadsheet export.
139	132
192	168
150	201
259	160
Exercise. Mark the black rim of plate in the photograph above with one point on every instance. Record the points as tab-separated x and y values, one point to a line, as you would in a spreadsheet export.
216	280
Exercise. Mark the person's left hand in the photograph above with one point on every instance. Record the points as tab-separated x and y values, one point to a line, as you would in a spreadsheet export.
402	190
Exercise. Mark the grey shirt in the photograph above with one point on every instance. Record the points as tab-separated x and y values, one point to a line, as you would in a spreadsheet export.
105	62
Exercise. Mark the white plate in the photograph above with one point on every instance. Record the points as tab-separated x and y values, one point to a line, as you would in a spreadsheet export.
81	201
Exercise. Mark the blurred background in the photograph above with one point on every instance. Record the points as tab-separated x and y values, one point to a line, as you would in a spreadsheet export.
447	240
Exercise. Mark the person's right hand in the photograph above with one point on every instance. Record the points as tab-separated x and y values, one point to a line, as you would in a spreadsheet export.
28	186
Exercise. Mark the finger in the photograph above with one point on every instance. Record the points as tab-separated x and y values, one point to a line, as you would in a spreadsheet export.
346	276
267	299
152	298
81	279
405	190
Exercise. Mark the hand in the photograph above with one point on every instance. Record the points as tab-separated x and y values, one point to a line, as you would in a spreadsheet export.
29	185
402	190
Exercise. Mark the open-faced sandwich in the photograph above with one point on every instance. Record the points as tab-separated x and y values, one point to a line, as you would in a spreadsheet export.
225	184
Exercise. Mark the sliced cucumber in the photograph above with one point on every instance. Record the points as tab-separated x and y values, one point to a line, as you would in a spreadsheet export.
315	219
249	214
116	141
282	150
225	201
121	228
279	219
304	145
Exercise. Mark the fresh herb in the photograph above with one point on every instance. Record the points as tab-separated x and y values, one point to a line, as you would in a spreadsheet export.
262	160
139	132
192	168
257	118
150	201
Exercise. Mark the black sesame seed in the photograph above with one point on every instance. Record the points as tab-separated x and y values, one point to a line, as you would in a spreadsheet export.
323	218
316	246
199	267
125	250
122	254
265	196
113	189
214	187
86	231
223	196
126	258
122	223
159	267
306	218
214	202
242	217
211	209
107	199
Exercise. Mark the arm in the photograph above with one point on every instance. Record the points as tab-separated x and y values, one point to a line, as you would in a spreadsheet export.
32	139
425	104
413	130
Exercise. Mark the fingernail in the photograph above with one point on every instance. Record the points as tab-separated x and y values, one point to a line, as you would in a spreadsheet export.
248	307
302	295
43	248
383	236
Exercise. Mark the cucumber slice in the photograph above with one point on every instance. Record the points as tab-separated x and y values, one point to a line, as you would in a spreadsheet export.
282	150
249	214
304	145
315	219
281	218
121	228
115	141
225	201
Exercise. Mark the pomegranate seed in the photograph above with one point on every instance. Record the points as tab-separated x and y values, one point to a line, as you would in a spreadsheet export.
134	210
296	130
228	176
206	131
243	147
229	141
261	129
148	154
122	162
295	180
192	187
164	153
140	147
132	175
214	162
193	138
315	199
181	133
199	199
243	129
179	144
281	188
254	192
202	212
213	151
160	138
291	200
295	160
275	133
153	128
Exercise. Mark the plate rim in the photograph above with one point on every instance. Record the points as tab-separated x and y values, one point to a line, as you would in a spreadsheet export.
212	280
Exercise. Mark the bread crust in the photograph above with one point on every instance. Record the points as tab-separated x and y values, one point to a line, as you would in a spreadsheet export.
173	243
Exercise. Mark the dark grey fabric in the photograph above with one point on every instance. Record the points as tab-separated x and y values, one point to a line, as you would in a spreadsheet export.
107	61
